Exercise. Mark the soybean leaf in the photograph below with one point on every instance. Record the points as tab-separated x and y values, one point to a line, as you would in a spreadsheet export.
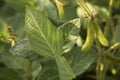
80	61
21	48
71	30
71	27
46	40
36	68
44	37
49	9
17	23
65	71
49	71
14	62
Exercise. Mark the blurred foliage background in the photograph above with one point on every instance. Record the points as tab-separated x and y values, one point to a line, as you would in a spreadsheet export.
28	67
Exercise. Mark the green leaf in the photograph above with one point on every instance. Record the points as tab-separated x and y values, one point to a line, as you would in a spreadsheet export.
49	9
36	68
64	69
14	62
80	61
71	30
21	48
71	27
70	10
3	29
44	37
17	23
46	40
49	71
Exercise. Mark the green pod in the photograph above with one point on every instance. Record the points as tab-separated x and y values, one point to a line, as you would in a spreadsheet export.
89	39
100	36
60	8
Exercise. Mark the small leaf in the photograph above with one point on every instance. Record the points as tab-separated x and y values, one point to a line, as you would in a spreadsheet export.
21	48
70	31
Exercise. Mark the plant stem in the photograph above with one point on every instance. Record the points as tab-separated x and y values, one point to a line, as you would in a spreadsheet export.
113	58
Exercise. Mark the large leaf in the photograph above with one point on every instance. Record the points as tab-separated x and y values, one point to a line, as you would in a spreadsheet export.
44	37
22	48
46	40
80	61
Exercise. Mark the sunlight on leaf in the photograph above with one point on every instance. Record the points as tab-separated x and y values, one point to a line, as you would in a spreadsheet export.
46	40
44	37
